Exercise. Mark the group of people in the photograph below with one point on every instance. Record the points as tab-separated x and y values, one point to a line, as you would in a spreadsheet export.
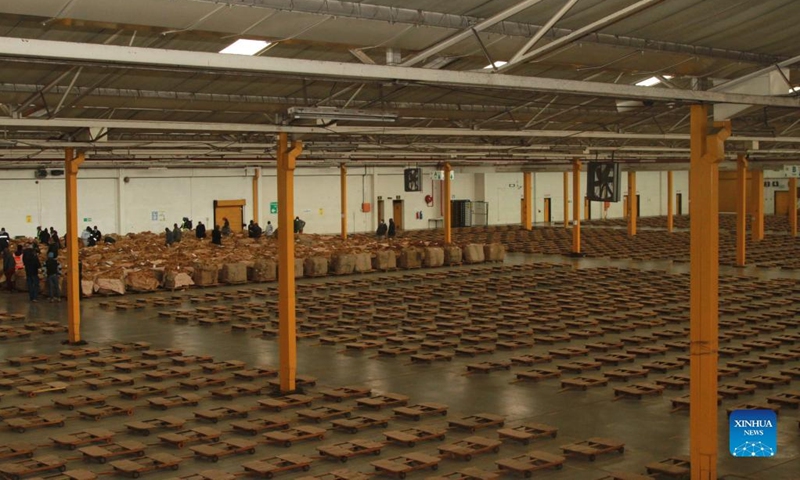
386	230
254	230
27	259
175	234
91	236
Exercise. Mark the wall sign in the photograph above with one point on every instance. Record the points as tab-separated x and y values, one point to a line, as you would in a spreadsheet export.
273	207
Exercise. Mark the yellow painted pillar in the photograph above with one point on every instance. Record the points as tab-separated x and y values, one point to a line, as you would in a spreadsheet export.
707	150
256	177
527	204
71	164
448	208
741	210
566	199
670	201
576	206
757	191
632	211
287	335
793	205
343	194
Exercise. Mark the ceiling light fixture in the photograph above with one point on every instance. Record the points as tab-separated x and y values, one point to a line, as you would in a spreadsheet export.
329	114
245	47
497	64
649	82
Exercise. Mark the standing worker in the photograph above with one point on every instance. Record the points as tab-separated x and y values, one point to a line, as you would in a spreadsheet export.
200	231
168	236
177	235
9	267
298	225
226	226
392	231
32	267
216	236
53	272
5	239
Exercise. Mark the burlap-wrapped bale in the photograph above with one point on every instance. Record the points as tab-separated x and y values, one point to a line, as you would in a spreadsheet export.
298	267
473	253
142	281
175	280
264	270
452	255
343	264
434	257
494	252
411	257
315	266
108	286
234	272
87	288
205	274
384	260
363	262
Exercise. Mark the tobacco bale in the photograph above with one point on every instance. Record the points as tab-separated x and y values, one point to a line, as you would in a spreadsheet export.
384	260
411	257
142	281
298	267
434	257
315	266
343	264
234	273
452	255
205	274
173	280
363	262
87	288
473	253
264	270
494	252
108	286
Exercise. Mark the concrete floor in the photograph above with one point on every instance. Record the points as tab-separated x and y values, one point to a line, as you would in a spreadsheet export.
650	431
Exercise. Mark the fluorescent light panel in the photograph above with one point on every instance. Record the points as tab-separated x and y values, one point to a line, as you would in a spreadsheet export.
497	64
649	82
245	47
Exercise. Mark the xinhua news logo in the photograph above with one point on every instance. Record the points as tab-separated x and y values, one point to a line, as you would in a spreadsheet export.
753	433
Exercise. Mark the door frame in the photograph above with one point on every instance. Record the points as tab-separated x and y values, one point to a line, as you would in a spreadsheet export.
398	222
547	209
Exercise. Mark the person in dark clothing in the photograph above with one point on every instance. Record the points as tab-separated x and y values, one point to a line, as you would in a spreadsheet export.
52	247
169	237
5	239
9	267
54	236
177	235
216	235
53	272
392	230
226	227
32	267
44	236
298	225
187	224
381	231
96	234
200	232
253	230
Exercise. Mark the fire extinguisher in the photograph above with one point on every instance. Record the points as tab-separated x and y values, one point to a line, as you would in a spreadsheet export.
429	200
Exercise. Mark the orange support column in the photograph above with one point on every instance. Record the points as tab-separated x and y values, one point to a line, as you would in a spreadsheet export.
707	150
566	199
670	201
73	292
448	207
527	204
741	210
256	177
343	194
757	191
632	210
576	207
793	205
287	340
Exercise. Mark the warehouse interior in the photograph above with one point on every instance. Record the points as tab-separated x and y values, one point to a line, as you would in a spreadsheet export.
579	338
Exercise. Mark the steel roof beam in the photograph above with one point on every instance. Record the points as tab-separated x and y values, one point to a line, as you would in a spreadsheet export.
108	55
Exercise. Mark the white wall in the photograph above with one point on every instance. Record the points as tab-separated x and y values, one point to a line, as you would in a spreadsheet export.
124	200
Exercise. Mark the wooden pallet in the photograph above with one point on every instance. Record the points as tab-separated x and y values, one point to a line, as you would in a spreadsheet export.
593	447
527	432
